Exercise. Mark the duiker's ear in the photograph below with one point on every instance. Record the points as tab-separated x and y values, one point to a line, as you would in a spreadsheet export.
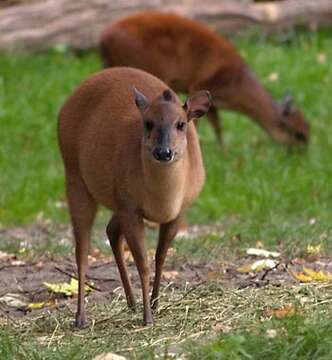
198	104
287	106
140	100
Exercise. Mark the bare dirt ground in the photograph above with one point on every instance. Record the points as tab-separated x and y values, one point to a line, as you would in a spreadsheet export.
25	274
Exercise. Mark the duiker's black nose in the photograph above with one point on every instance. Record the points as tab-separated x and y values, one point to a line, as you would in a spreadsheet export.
163	154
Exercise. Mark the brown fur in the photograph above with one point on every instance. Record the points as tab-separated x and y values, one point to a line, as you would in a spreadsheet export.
108	160
188	56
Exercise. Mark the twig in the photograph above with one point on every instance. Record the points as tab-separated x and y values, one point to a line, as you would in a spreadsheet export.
269	270
75	277
100	278
13	266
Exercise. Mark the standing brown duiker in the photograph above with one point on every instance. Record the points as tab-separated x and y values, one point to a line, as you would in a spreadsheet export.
129	144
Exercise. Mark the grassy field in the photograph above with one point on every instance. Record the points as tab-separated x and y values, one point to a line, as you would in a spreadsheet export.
257	191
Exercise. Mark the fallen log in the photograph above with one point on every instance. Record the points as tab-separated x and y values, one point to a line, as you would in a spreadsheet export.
77	24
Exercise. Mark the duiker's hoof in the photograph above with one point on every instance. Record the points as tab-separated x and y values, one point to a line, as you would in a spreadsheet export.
131	304
80	322
148	320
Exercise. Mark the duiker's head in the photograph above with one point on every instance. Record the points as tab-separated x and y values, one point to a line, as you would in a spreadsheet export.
165	122
292	127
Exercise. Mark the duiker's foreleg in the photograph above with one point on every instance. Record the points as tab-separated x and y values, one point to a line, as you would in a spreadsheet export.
117	240
216	123
82	209
132	227
167	233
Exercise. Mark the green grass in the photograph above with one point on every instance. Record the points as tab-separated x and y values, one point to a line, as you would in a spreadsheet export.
298	338
258	191
269	192
204	322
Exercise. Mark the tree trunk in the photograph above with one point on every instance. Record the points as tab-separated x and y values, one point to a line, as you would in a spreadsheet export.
77	24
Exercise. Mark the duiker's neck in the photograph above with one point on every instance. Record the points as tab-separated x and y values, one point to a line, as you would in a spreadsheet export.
254	101
165	178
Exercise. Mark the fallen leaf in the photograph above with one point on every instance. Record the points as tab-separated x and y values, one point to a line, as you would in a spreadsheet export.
274	76
67	289
220	327
128	256
259	244
171	252
183	234
314	249
263	265
170	275
257	266
213	275
312	221
14	300
302	277
286	311
151	253
262	252
236	237
6	256
298	261
109	356
17	263
40	305
321	58
244	268
310	275
318	275
271	333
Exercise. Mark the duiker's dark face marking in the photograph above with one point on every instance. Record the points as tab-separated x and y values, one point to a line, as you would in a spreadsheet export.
165	123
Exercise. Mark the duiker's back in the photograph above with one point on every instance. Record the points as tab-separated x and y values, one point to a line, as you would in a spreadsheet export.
176	49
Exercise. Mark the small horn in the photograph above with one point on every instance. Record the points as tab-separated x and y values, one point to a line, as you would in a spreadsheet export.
167	95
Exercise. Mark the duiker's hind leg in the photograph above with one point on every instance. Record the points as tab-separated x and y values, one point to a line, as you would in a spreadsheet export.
83	209
116	239
216	124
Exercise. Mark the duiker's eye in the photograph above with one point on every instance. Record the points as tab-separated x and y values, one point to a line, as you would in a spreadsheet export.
148	125
181	125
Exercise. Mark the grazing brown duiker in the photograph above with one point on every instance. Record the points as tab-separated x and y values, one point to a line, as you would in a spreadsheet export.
189	56
129	144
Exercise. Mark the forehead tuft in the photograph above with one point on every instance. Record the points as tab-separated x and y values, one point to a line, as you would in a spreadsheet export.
166	110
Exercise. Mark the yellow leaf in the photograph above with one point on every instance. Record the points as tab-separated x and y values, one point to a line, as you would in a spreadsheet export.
244	269
65	288
314	249
302	277
309	275
40	305
318	275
